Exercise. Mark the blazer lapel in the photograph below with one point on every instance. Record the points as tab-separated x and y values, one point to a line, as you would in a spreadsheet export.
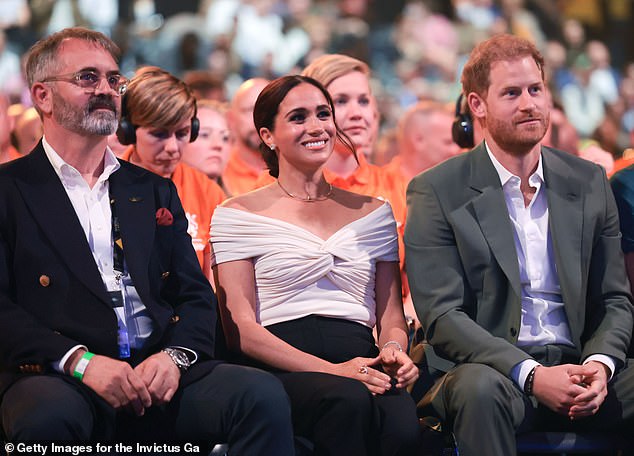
492	214
135	208
565	212
45	195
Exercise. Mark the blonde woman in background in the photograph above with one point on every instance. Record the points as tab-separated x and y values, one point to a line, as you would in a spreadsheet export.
210	151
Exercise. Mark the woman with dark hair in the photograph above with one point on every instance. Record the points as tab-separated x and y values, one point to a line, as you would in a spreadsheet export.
304	271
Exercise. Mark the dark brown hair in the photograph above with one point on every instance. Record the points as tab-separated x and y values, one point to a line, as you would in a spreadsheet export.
267	107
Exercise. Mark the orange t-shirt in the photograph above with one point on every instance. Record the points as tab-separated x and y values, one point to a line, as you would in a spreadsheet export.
367	179
13	154
199	196
238	176
396	186
626	160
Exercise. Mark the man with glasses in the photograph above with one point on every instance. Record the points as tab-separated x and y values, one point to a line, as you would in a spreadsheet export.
106	320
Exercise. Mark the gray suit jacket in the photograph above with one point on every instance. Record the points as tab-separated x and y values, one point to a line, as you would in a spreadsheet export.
463	268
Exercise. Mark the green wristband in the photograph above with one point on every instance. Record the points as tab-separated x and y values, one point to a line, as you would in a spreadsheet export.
81	365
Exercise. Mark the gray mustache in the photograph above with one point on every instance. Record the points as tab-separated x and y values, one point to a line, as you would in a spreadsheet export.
101	102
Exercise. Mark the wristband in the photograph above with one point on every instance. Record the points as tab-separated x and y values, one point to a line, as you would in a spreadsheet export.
392	342
528	384
81	365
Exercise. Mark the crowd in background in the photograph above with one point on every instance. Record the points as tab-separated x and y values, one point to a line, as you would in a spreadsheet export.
389	71
415	48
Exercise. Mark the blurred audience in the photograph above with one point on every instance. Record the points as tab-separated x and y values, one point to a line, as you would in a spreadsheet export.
7	151
10	72
245	161
423	141
415	48
582	102
205	85
562	135
27	131
209	153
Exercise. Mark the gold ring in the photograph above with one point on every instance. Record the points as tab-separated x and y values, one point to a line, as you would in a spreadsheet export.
363	370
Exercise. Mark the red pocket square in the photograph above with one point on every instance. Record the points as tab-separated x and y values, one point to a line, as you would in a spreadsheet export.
164	217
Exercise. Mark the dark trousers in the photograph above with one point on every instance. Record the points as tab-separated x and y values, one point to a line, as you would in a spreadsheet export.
341	417
339	414
245	407
486	409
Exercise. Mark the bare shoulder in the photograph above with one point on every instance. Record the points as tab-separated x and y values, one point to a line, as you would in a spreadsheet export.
364	204
253	201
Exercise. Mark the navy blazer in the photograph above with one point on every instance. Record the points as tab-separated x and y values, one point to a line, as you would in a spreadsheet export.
52	296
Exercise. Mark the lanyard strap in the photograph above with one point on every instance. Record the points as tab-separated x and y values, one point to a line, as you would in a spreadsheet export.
116	297
117	245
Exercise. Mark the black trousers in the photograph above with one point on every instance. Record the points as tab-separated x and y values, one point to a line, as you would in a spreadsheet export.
245	407
486	409
339	414
341	417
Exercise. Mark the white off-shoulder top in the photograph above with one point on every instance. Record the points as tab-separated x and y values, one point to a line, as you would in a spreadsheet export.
297	273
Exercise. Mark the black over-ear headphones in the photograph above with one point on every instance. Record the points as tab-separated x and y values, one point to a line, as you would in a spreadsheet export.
126	133
462	127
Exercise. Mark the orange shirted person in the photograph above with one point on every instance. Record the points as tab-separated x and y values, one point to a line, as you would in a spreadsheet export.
12	154
199	196
158	120
238	176
424	140
7	151
245	162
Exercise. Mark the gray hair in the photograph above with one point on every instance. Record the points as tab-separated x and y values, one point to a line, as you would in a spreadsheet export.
41	59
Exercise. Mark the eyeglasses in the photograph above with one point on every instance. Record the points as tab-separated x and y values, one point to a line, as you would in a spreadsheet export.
89	80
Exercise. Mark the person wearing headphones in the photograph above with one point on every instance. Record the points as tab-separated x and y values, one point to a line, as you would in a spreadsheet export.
463	129
424	139
107	324
158	119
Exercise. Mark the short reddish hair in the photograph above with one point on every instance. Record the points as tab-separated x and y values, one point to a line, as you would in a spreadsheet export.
477	70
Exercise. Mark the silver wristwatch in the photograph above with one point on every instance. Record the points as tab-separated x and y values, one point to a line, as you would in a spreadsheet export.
179	357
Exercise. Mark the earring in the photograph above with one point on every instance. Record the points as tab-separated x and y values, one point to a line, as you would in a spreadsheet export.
272	147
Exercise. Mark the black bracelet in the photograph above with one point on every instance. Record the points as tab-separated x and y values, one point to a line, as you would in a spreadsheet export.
528	384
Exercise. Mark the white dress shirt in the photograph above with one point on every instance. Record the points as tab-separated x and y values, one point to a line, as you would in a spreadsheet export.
92	206
543	320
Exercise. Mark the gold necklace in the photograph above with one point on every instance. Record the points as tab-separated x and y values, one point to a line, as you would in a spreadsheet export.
308	199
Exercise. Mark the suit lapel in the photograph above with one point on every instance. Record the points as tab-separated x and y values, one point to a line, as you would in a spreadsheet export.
492	214
44	193
565	212
135	208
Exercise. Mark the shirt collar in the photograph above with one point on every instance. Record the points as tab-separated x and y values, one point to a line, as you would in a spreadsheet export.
506	175
64	170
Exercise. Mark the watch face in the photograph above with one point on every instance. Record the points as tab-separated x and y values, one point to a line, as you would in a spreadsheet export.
179	357
182	358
